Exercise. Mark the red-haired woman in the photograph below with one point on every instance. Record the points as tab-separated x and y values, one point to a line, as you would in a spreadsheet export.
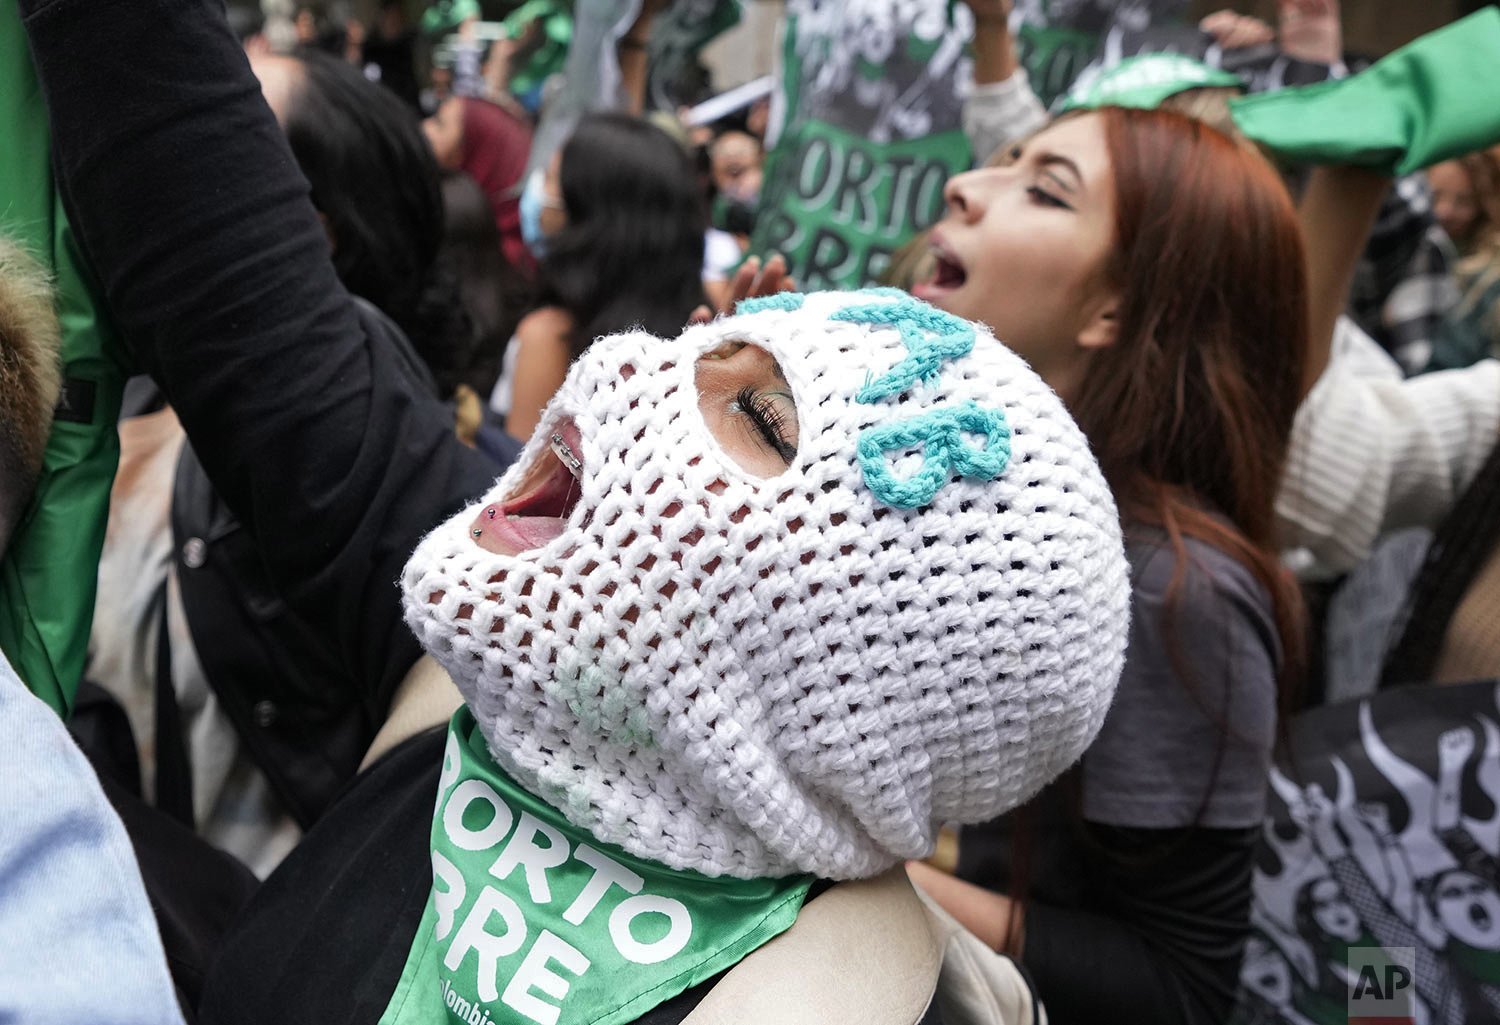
1152	271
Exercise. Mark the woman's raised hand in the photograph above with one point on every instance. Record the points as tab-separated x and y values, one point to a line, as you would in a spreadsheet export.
1310	30
1234	31
750	282
995	57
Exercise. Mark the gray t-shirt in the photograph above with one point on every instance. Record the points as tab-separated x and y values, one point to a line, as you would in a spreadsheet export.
1153	765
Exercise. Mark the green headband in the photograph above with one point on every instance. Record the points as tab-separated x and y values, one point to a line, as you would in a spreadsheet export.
1145	82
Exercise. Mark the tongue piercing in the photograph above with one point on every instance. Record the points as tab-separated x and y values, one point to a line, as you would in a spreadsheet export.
561	450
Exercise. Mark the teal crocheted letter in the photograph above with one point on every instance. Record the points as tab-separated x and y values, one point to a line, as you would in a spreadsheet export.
932	338
784	301
945	452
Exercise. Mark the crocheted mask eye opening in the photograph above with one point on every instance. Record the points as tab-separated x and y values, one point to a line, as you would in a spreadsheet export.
748	408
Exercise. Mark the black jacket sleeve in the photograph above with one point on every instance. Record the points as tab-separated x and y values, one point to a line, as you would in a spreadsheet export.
1162	935
191	211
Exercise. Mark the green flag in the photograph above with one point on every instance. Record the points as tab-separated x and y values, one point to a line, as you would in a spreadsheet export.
48	574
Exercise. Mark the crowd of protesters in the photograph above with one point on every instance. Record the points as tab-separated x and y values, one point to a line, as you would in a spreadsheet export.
518	602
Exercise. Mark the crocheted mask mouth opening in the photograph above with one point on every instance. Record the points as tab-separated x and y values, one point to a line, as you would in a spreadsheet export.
537	511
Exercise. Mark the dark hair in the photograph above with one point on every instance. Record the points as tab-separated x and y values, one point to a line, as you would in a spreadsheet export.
631	254
1190	412
492	291
1461	547
244	21
374	178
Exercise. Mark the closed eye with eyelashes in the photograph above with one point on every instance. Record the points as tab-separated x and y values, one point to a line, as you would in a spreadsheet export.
748	407
769	420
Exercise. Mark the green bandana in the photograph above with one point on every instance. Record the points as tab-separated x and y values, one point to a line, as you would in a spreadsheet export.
1145	82
531	919
1433	99
556	25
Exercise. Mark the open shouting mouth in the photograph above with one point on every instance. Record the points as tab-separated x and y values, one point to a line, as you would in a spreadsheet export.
538	507
1480	917
948	274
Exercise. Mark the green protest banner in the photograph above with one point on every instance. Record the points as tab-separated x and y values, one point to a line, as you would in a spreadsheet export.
867	132
837	205
677	36
1054	58
1057	40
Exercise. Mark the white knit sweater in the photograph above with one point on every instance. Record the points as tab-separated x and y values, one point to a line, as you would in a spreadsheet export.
997	114
1373	451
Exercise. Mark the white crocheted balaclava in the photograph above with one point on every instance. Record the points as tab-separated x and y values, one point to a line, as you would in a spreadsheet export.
804	673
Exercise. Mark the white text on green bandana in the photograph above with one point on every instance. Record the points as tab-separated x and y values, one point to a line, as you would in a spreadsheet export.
532	920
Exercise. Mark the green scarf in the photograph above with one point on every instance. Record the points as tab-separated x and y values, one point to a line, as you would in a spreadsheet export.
531	919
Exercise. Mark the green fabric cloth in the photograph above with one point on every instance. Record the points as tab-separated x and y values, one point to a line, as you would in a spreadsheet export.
446	15
531	919
1480	965
1434	99
48	575
1144	82
556	24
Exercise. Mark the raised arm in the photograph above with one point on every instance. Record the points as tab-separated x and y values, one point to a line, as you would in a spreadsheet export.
1347	477
191	210
1336	213
1430	100
995	57
1001	108
631	53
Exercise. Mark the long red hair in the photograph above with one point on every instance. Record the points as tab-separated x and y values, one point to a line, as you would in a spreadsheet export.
1190	411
